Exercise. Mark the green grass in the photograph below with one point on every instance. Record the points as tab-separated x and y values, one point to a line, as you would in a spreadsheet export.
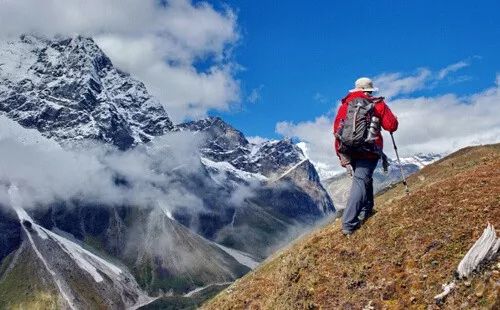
185	303
172	303
23	286
95	243
149	279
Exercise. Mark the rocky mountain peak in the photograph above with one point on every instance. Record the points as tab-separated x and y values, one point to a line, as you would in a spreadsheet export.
68	89
220	135
224	143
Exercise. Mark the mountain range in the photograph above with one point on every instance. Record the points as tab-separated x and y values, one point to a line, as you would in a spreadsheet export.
239	203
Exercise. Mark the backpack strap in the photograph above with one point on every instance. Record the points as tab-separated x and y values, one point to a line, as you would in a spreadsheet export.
376	99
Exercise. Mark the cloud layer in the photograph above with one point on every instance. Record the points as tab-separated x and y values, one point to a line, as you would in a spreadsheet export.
448	122
440	124
397	83
160	42
45	172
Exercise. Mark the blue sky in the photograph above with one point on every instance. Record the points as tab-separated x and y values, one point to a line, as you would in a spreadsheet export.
302	56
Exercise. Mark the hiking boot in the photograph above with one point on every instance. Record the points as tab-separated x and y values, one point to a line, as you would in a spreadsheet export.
363	216
347	233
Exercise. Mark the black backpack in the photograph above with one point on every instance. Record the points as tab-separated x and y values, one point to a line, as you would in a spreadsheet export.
355	129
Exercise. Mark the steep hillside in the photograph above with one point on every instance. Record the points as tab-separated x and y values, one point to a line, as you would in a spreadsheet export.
400	258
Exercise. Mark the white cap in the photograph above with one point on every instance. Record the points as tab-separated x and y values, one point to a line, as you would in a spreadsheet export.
363	84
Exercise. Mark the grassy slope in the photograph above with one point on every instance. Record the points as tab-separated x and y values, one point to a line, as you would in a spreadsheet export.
27	285
400	258
184	303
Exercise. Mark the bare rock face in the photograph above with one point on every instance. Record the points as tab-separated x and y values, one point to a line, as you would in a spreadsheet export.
226	144
68	89
10	232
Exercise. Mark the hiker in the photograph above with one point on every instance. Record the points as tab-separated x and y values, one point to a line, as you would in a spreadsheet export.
358	144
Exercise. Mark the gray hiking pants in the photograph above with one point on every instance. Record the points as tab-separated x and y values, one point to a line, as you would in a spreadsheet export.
361	196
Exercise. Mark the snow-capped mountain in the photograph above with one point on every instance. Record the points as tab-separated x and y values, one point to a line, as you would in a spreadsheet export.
226	144
264	169
68	89
250	198
326	170
421	160
226	149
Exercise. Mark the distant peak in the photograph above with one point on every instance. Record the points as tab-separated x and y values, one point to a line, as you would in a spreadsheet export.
207	123
214	120
75	92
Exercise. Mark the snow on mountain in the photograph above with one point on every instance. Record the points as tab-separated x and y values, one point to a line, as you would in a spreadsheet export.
242	257
226	144
60	255
68	89
325	170
421	160
224	170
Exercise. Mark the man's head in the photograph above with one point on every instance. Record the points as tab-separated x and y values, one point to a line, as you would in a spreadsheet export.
364	84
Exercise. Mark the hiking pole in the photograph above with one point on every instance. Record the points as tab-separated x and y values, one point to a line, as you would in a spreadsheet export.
407	190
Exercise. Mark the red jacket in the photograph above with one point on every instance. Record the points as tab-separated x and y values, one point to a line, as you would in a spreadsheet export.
387	120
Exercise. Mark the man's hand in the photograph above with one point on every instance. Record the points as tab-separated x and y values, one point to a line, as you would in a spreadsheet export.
350	171
344	160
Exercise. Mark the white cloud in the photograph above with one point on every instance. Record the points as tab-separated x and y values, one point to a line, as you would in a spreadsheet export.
318	135
393	84
255	94
446	123
159	44
440	124
45	172
452	68
257	140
